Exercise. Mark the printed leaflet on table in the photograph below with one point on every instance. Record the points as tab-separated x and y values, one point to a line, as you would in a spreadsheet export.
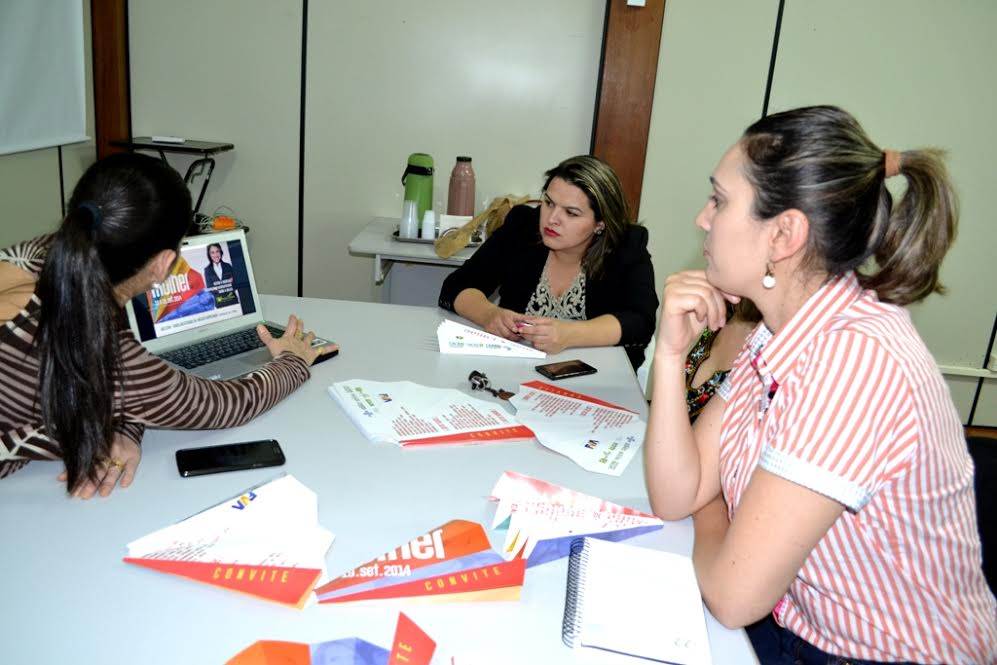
458	338
543	519
266	542
454	561
597	435
408	414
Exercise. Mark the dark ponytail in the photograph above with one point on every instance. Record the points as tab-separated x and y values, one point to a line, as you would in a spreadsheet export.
124	210
919	231
820	161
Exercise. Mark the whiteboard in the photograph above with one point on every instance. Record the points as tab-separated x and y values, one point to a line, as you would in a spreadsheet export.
42	77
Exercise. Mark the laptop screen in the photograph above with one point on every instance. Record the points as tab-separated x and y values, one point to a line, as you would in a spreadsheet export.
209	283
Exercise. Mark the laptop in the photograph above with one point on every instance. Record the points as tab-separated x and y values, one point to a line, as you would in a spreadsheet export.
203	317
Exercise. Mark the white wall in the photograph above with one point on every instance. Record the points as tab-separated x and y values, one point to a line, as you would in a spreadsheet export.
229	70
512	84
913	73
29	181
29	189
710	85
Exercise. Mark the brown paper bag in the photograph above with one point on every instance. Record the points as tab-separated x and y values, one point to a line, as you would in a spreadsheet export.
457	239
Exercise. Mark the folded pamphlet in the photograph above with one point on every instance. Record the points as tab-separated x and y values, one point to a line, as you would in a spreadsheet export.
543	519
265	542
411	646
454	561
598	435
457	338
408	414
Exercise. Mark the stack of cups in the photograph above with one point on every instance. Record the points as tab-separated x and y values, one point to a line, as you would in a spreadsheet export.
429	225
409	225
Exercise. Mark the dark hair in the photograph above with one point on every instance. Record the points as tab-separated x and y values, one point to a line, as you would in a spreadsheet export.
124	210
602	188
820	161
745	310
208	251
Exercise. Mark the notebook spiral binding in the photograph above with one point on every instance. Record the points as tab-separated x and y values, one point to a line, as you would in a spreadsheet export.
574	597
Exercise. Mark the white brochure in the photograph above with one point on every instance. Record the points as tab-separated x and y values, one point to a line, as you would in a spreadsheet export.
460	339
265	542
599	436
409	414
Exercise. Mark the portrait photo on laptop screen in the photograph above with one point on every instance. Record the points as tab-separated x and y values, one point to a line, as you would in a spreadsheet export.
207	283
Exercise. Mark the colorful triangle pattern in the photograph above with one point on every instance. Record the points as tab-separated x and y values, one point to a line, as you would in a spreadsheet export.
544	519
411	646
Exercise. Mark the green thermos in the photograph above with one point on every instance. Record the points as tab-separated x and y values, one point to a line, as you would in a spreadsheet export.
418	181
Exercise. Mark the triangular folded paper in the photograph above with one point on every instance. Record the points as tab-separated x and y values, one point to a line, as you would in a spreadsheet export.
265	542
411	646
451	562
457	338
543	519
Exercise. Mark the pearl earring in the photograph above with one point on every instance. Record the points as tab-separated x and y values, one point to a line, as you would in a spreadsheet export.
768	281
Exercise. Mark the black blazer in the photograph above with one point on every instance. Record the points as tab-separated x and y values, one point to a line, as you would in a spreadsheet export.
210	278
512	261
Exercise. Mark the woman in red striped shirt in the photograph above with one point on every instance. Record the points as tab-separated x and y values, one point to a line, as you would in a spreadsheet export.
830	478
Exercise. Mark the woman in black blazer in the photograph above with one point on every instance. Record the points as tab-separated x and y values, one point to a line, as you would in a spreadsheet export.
219	277
217	270
573	272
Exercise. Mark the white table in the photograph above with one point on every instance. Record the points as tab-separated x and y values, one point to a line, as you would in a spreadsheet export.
424	270
68	597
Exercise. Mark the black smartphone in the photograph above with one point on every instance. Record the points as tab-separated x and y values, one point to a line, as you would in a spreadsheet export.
565	369
325	356
229	457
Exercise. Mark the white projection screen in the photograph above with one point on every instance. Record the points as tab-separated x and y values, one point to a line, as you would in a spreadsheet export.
42	74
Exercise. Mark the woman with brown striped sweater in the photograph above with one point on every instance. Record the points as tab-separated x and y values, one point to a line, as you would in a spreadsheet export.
76	384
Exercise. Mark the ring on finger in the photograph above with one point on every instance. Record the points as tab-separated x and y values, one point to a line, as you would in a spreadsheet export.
115	464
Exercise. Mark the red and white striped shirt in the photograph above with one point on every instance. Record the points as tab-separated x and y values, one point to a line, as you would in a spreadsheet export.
847	401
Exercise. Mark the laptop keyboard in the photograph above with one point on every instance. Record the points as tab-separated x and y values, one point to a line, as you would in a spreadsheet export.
202	353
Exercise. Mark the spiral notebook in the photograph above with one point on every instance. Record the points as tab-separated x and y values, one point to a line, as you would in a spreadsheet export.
634	601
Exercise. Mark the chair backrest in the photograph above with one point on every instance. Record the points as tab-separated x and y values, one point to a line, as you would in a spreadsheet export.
984	454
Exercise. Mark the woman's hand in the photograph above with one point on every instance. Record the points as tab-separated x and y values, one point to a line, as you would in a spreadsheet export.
547	335
295	340
118	469
691	303
504	323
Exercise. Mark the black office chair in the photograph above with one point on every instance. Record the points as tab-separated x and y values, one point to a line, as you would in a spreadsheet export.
984	454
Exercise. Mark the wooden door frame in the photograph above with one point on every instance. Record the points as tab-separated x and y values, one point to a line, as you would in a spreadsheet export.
625	92
111	87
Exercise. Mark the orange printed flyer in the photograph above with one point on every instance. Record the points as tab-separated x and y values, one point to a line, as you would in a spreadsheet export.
454	561
266	542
